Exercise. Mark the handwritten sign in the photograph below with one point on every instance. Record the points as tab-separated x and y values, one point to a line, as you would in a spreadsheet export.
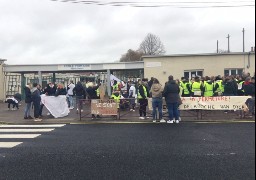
210	103
103	107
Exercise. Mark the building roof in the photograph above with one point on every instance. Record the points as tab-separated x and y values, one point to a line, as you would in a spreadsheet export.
203	54
81	67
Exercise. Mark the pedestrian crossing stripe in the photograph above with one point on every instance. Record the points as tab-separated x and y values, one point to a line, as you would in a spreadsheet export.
19	136
39	126
26	130
9	144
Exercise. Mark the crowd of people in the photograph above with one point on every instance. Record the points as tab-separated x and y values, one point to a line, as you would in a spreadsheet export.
137	93
229	85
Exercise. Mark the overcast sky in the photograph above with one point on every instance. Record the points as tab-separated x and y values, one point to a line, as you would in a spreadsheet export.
45	31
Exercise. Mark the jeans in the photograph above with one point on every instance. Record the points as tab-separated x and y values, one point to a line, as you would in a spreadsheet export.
157	103
173	111
71	101
27	110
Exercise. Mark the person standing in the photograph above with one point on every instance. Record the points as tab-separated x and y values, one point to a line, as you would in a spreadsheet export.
229	87
70	94
208	89
92	94
142	96
157	100
79	92
36	99
171	94
61	90
132	96
28	101
249	90
197	87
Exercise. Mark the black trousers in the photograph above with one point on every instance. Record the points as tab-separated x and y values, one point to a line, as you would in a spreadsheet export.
36	109
143	107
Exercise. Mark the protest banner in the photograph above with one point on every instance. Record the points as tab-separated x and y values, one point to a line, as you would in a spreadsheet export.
57	106
103	107
210	103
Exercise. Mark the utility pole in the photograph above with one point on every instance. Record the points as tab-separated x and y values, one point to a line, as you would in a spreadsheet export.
243	39
217	46
228	43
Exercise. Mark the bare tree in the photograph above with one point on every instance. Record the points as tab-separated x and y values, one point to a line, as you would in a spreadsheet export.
152	45
131	55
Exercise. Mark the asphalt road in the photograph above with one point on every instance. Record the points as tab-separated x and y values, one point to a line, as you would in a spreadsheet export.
134	151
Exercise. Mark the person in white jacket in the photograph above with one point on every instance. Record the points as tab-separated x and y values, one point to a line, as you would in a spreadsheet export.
70	95
132	95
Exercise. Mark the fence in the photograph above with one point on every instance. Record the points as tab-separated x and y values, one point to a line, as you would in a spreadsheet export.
191	107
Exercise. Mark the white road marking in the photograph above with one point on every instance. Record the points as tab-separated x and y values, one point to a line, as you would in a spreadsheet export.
43	125
19	136
9	144
26	130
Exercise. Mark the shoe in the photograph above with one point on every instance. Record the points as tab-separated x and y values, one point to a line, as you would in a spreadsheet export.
82	110
29	117
141	118
154	121
133	110
37	119
25	117
162	121
146	117
177	121
48	114
170	121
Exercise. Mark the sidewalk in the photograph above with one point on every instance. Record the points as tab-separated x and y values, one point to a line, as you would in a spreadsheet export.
16	117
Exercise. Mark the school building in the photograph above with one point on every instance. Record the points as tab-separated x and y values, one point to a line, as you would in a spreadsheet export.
191	65
13	78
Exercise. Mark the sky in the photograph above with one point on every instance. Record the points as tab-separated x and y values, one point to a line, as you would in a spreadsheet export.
55	32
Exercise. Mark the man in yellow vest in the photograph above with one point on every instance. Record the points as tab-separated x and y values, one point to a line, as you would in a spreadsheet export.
186	88
197	87
218	86
143	94
208	87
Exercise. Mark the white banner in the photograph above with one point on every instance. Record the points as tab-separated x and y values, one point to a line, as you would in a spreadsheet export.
210	103
57	106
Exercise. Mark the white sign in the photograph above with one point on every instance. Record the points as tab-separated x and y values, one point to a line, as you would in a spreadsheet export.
74	67
57	106
211	103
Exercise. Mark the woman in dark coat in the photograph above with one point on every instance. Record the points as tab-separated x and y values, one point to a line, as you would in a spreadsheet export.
36	99
171	94
28	101
79	92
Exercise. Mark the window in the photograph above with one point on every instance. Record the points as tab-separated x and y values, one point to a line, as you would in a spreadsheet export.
193	73
228	72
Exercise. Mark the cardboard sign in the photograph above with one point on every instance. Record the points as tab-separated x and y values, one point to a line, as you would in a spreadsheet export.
103	107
